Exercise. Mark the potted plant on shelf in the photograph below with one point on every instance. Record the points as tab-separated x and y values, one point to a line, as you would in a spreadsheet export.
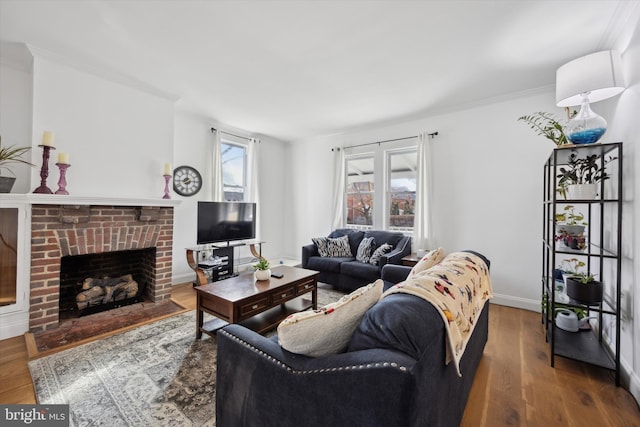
545	124
10	154
569	267
262	270
584	288
570	228
578	180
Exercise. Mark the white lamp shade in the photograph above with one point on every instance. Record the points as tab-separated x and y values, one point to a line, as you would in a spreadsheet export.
599	74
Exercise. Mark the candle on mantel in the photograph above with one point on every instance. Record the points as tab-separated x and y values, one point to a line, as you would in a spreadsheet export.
47	138
167	168
63	158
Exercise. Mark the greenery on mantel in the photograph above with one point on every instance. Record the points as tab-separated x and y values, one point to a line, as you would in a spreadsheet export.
12	154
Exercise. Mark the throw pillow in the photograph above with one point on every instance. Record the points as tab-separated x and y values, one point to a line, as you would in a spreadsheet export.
382	250
328	330
321	244
429	260
365	249
339	247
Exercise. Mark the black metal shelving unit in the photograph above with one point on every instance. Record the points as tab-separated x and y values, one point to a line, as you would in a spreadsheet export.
602	257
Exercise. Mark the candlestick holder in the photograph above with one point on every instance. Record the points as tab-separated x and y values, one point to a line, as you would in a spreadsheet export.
166	187
62	182
44	170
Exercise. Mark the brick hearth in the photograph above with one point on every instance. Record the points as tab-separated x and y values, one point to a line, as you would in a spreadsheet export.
58	230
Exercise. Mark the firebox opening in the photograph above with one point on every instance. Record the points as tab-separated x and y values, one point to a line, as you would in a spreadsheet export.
109	270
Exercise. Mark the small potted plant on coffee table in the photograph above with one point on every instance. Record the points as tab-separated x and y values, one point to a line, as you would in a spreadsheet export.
262	270
584	288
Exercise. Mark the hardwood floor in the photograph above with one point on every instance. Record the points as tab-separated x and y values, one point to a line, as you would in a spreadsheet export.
514	384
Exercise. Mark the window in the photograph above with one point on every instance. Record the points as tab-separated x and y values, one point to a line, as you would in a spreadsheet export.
380	188
234	171
360	191
401	184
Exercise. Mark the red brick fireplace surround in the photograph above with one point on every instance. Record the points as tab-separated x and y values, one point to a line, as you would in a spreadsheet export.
62	230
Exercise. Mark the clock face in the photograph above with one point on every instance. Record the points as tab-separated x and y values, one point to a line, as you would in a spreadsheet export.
186	181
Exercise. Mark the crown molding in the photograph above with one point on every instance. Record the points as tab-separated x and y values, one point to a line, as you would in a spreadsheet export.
16	55
101	70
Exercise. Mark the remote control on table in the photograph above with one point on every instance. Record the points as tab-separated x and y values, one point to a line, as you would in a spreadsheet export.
277	275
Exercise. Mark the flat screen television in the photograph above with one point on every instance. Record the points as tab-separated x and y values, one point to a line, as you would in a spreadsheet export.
226	221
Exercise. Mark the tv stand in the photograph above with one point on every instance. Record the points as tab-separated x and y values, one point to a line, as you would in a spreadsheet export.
214	262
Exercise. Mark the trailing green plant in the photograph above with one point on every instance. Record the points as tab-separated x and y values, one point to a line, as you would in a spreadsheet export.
571	218
12	154
581	312
545	124
263	264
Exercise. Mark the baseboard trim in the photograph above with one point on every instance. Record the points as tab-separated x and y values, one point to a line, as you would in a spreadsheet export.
183	278
14	324
516	302
631	379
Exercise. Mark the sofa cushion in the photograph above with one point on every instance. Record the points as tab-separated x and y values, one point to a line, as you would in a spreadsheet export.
321	244
339	247
366	248
383	249
365	271
429	260
327	330
382	237
355	237
328	264
397	322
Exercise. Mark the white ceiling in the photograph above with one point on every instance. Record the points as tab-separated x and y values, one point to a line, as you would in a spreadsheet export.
297	69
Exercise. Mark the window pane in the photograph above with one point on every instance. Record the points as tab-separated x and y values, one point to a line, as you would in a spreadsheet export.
233	171
402	189
359	191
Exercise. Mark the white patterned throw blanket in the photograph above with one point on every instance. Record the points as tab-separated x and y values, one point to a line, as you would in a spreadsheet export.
458	287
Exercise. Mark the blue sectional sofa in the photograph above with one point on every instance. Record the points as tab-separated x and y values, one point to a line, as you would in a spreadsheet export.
393	372
347	273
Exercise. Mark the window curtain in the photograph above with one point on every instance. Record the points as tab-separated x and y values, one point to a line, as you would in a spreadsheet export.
423	233
338	188
217	185
254	196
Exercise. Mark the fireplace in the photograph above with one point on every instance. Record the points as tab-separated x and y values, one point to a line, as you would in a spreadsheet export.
80	274
62	236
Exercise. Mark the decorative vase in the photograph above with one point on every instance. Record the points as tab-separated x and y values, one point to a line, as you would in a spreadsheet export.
586	127
582	191
262	274
6	184
585	293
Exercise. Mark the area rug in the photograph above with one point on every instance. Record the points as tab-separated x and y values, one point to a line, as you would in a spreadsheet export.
154	375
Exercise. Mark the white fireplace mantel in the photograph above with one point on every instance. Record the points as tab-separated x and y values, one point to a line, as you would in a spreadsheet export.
57	199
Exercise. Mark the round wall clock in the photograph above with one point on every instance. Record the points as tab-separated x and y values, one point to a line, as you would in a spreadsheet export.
186	181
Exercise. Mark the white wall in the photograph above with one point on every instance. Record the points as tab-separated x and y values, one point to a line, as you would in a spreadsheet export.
193	142
117	137
16	108
623	125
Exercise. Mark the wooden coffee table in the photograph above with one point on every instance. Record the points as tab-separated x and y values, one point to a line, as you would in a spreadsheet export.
258	305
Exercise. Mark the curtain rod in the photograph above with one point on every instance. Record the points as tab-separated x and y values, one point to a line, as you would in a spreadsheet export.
432	135
229	133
